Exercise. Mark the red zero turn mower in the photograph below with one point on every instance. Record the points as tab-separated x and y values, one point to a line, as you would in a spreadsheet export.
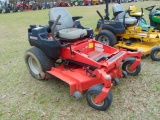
66	50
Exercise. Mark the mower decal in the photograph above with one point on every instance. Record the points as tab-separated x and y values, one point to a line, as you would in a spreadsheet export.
112	22
156	16
99	49
152	36
90	45
98	45
32	37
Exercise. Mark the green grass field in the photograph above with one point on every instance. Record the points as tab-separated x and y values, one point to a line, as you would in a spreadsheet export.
24	98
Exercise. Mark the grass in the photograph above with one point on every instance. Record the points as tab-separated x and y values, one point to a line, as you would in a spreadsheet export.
24	98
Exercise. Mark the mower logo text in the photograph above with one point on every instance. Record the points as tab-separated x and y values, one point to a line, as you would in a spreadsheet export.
34	38
99	47
110	22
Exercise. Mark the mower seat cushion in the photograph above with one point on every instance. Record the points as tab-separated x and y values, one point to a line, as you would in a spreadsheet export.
129	21
136	14
72	33
133	12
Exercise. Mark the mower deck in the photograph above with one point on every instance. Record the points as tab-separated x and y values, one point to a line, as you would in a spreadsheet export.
137	33
75	76
81	76
145	47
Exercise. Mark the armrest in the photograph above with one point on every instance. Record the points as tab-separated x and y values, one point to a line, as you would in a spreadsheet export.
66	45
51	22
76	18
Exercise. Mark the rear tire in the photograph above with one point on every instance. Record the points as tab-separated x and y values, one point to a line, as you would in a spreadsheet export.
20	9
89	4
39	7
93	92
127	63
15	9
76	3
154	53
34	7
7	10
107	37
38	63
80	3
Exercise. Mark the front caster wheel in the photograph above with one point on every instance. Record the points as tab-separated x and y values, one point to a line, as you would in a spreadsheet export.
91	95
127	63
115	81
155	54
124	74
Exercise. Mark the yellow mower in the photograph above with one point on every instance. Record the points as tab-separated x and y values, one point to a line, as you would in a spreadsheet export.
123	32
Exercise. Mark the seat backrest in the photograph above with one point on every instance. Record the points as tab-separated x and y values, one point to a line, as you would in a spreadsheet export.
132	8
65	20
118	8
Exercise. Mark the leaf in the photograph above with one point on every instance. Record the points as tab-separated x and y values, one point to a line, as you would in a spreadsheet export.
24	93
3	96
55	100
130	108
45	115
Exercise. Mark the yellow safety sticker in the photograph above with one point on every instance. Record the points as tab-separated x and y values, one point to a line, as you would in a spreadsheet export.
90	45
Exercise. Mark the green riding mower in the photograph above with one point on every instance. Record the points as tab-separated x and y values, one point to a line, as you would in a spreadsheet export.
81	2
77	2
123	32
154	17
